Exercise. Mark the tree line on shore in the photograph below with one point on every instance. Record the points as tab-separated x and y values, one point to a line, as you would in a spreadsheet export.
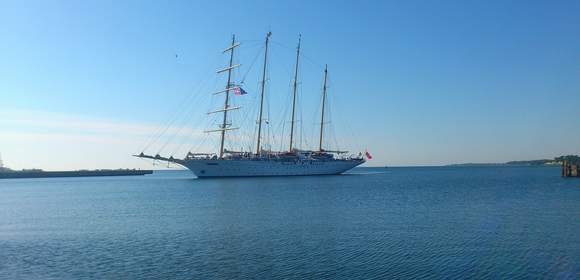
556	161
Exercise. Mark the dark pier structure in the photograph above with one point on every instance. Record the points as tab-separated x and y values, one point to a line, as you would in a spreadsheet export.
570	169
80	173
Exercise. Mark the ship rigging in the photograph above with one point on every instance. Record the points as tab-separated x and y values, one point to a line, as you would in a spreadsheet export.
262	162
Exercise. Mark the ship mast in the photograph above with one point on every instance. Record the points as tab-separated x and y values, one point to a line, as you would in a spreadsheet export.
258	148
322	114
294	92
229	87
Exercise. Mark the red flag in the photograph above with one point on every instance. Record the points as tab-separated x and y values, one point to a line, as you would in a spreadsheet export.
368	155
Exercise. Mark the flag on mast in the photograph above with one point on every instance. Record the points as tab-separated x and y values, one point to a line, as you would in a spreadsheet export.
239	91
368	155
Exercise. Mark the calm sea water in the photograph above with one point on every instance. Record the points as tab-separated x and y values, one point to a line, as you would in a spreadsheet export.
448	222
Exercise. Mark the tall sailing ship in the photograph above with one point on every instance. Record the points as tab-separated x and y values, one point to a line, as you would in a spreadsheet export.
293	162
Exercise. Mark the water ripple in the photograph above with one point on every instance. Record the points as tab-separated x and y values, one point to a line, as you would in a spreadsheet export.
404	223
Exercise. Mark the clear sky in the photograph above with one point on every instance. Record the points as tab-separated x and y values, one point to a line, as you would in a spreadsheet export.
85	84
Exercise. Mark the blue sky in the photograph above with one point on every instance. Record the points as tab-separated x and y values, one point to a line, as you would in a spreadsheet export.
84	84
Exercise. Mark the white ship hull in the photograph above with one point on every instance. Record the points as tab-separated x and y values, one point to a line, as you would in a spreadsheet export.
204	168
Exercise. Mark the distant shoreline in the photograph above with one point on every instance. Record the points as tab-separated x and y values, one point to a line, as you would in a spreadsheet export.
557	161
500	165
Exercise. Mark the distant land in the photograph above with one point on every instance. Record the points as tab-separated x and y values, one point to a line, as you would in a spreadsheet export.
536	162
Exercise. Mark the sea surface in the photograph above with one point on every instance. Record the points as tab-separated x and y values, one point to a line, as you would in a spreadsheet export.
374	223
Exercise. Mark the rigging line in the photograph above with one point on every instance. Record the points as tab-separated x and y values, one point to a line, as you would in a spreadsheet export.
276	57
302	54
177	113
312	61
172	137
209	122
286	110
314	123
301	103
184	123
332	126
283	125
244	116
255	127
256	42
314	117
183	119
176	150
270	128
183	141
251	46
275	54
197	146
245	120
288	48
251	65
160	131
342	119
268	117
